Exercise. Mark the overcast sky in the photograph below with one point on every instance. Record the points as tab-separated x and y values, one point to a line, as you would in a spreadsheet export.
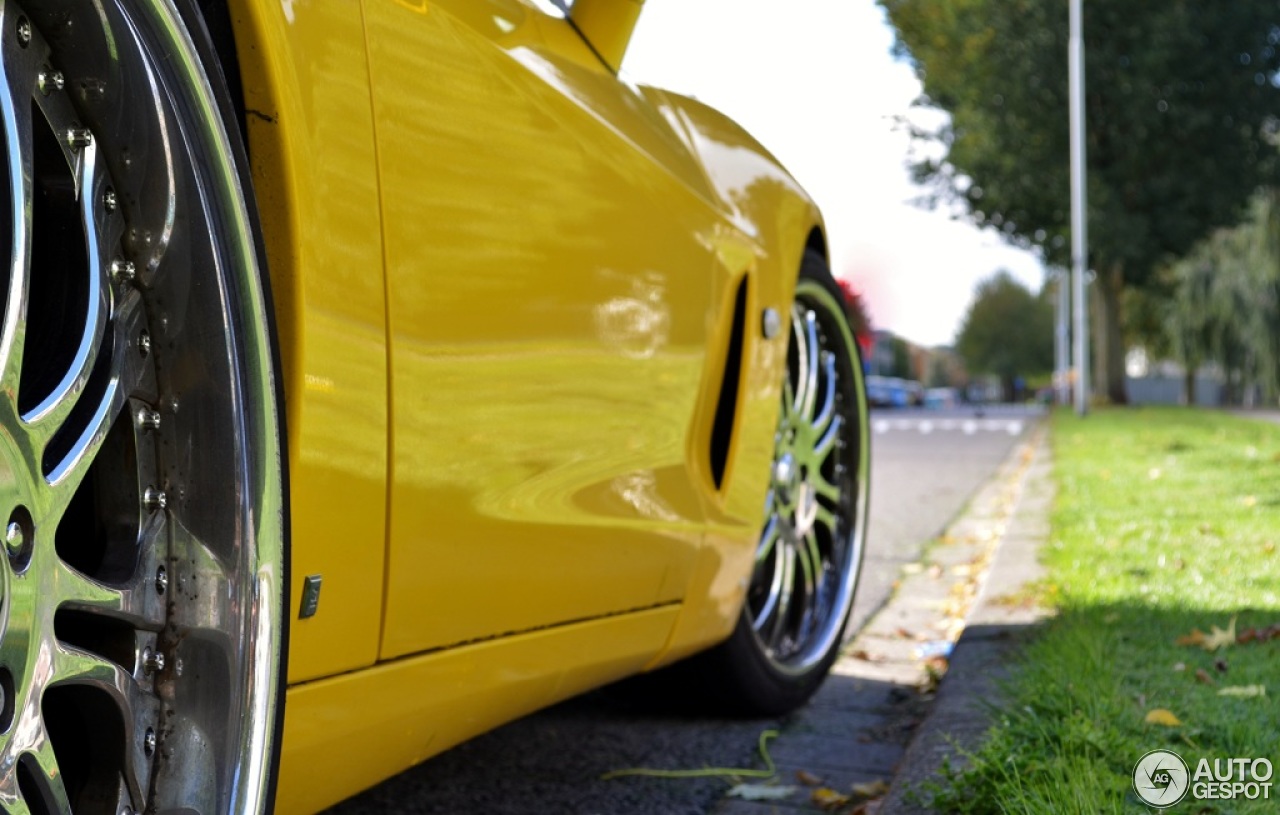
814	81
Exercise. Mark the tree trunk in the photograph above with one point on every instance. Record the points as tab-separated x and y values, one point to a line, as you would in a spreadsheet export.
1189	385
1111	351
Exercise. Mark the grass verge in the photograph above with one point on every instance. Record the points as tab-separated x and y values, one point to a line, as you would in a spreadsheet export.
1167	522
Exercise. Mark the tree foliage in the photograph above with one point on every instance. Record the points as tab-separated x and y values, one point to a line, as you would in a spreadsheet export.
1225	302
1181	104
1007	331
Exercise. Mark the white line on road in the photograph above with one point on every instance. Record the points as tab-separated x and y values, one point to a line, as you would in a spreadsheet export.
969	426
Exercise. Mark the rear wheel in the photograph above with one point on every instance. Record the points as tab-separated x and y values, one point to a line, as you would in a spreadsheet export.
809	554
142	595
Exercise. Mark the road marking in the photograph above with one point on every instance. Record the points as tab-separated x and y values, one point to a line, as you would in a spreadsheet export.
967	426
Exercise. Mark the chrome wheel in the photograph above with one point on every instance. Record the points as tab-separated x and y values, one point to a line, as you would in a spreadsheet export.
140	469
810	551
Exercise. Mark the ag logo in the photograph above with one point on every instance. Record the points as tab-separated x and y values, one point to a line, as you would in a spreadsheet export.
1161	778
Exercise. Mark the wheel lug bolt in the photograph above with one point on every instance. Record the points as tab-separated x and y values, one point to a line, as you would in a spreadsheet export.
148	419
78	137
154	499
24	32
14	538
50	80
162	580
149	742
123	271
144	343
152	661
109	201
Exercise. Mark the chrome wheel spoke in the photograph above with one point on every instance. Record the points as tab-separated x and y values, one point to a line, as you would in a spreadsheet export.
132	604
20	69
53	410
46	776
828	519
77	667
770	604
806	336
827	443
828	410
825	489
127	370
767	540
786	591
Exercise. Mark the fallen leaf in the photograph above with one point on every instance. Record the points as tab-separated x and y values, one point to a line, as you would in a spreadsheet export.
1244	691
808	779
1220	638
867	656
867	808
913	568
1196	637
871	789
1269	548
935	571
1202	676
904	633
828	799
760	792
1163	717
1179	667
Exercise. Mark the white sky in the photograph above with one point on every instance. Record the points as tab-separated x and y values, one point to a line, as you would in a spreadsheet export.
813	80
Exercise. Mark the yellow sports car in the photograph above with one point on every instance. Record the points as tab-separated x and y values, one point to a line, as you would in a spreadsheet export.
377	371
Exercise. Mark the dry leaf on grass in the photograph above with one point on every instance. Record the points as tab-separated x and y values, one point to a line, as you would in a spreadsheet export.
1162	717
867	808
1220	638
1196	637
1244	691
828	799
1202	676
1216	639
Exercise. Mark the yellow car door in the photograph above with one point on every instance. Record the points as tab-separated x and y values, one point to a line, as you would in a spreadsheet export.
552	286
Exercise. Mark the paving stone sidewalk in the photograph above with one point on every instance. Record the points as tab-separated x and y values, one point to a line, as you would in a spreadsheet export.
883	717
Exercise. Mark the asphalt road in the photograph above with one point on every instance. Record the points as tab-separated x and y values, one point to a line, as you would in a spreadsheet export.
925	466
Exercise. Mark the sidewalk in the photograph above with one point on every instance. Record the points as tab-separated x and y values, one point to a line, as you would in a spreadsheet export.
883	717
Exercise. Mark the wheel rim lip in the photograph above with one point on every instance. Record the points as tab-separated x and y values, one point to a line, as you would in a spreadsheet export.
829	629
257	744
256	632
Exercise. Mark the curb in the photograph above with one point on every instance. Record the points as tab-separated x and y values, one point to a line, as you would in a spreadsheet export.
998	624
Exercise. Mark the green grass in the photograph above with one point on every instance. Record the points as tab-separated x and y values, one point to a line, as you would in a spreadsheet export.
1166	521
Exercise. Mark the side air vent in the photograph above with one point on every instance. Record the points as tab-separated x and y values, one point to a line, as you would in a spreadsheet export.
726	406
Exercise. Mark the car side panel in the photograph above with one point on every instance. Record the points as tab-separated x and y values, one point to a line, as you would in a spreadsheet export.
552	293
308	114
345	733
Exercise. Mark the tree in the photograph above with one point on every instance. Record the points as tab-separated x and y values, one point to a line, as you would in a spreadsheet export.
1007	331
1225	303
1180	106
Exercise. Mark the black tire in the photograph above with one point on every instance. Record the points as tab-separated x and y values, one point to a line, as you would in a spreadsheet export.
144	592
777	657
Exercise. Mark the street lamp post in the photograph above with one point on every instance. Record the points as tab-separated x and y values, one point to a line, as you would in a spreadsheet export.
1079	235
